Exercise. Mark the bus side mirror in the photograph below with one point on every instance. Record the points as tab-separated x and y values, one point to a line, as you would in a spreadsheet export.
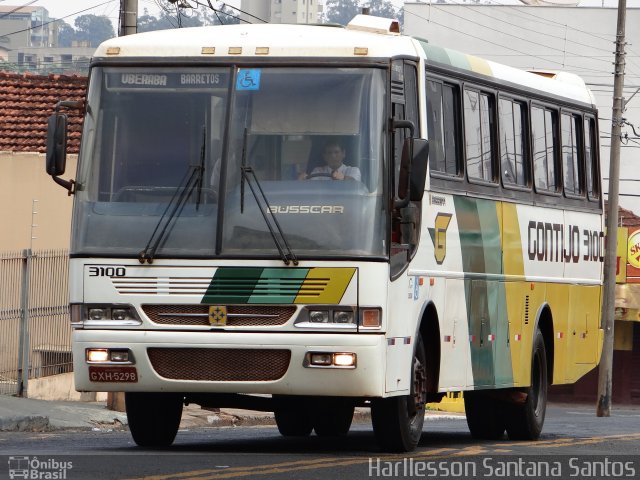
413	171
419	164
57	150
56	144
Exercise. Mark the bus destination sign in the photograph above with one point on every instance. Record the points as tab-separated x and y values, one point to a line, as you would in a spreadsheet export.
139	80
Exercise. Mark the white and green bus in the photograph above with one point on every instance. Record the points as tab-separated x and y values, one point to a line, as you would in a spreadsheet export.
216	258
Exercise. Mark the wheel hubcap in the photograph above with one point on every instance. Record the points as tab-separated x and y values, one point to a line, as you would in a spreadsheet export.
419	385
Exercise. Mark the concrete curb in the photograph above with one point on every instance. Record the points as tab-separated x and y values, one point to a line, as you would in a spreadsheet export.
31	423
29	415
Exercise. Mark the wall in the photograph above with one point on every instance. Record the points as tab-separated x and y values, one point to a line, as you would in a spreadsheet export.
22	180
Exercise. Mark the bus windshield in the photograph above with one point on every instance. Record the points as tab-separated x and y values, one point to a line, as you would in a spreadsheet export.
164	150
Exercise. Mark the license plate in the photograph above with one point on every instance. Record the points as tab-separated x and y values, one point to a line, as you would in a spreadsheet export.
113	374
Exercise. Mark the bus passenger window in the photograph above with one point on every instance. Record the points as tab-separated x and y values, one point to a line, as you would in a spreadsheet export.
590	159
542	127
570	160
512	146
477	127
442	108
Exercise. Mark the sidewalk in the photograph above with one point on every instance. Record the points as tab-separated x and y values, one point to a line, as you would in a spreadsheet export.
25	414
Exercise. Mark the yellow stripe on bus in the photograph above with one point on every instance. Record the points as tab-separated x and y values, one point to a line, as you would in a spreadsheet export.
324	285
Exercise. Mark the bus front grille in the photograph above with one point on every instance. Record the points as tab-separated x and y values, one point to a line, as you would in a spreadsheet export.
237	315
220	364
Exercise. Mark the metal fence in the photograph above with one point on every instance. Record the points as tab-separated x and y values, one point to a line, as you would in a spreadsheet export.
35	336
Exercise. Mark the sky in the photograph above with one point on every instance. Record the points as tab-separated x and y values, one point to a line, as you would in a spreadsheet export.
109	8
62	8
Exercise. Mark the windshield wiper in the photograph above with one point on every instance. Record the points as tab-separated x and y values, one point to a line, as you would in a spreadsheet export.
287	256
192	179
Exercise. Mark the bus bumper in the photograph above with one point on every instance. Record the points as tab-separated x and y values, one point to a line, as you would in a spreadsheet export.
226	362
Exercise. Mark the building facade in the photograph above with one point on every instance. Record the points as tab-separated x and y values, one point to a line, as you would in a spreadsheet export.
29	42
26	27
281	11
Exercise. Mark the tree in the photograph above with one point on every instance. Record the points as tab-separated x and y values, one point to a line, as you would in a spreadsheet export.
220	16
94	29
384	8
66	34
341	11
171	17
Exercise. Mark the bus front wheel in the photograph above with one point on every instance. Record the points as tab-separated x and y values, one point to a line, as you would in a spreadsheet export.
154	418
524	422
397	421
333	416
293	416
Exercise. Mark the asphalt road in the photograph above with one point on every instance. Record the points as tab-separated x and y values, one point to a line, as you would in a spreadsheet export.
575	444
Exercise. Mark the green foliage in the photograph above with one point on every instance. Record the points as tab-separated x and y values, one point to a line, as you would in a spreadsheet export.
171	17
94	29
342	11
66	34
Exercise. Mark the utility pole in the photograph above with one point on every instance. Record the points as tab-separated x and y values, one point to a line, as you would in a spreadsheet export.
609	294
128	17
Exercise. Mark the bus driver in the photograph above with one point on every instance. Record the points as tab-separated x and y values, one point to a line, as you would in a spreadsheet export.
334	169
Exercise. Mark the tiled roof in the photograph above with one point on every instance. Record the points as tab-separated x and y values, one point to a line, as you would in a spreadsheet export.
627	218
27	100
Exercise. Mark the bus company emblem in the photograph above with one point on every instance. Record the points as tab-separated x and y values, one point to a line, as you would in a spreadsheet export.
217	315
633	256
439	236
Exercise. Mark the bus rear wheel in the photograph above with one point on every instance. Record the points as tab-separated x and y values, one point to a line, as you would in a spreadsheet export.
293	416
154	418
398	421
524	422
485	416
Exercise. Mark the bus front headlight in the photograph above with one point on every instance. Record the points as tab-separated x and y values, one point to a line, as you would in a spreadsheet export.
343	317
319	316
329	317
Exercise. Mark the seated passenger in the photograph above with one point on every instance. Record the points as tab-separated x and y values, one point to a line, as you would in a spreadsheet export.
334	169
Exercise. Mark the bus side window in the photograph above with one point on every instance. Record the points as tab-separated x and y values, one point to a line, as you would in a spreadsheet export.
543	123
513	153
571	160
442	112
591	163
478	114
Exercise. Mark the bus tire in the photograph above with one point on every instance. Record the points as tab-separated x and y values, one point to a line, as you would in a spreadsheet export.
154	418
293	416
398	421
333	417
485	416
524	422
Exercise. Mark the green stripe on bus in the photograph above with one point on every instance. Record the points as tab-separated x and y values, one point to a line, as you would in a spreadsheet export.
481	248
490	234
278	285
232	285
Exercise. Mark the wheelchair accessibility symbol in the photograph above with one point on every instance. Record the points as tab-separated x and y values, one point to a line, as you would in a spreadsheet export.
248	79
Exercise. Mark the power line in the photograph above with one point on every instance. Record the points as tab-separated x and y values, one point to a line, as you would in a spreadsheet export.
529	55
520	27
58	19
523	11
17	8
577	68
574	54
